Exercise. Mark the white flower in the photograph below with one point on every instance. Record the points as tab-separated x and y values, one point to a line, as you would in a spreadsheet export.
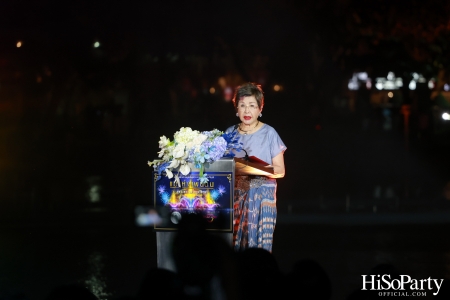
169	173
174	163
178	151
154	162
163	141
186	155
185	169
185	135
196	141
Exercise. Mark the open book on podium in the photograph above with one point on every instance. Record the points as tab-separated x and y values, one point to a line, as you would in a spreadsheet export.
252	166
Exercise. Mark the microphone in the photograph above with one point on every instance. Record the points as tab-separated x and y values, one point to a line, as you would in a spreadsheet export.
246	155
246	158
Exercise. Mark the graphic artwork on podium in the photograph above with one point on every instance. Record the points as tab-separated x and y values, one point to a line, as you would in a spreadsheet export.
212	199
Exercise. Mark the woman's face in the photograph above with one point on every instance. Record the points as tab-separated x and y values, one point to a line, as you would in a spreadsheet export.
248	110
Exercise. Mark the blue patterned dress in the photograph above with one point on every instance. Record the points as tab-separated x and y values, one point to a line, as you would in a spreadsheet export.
255	210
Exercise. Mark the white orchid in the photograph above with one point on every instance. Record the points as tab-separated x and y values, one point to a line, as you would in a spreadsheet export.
163	142
169	173
185	169
178	151
154	162
174	164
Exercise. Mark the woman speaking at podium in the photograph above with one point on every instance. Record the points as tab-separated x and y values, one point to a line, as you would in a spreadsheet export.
255	208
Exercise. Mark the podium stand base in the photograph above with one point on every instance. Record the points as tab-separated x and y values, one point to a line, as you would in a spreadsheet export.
164	248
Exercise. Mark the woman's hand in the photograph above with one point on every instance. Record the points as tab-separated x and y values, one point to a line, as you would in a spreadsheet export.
278	166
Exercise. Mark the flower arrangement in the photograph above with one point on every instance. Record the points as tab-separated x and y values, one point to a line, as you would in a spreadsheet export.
192	146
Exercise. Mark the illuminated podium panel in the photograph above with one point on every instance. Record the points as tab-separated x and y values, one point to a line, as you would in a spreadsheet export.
213	200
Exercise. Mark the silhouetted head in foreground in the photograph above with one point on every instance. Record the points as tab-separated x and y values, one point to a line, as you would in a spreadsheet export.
259	275
309	279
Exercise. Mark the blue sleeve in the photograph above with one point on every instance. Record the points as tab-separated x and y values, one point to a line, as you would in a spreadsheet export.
276	144
229	129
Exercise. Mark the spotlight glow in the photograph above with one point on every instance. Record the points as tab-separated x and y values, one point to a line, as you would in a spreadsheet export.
19	44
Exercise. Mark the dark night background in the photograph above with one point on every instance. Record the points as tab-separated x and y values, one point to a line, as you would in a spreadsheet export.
78	124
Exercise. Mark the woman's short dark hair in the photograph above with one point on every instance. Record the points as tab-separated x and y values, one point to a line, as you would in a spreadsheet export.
247	90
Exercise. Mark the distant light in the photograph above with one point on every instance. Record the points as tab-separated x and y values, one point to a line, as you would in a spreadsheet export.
94	193
353	85
222	82
389	85
379	85
212	90
276	88
390	76
39	79
431	84
415	76
362	76
96	44
398	82
446	116
147	219
228	93
19	44
412	85
390	94
446	87
359	79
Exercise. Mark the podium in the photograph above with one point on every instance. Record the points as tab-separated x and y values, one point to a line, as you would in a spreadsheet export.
214	200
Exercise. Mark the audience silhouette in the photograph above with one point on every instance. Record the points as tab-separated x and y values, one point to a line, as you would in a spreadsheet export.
309	280
207	268
204	261
259	275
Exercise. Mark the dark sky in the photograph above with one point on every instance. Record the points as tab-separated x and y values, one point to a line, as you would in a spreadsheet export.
182	26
